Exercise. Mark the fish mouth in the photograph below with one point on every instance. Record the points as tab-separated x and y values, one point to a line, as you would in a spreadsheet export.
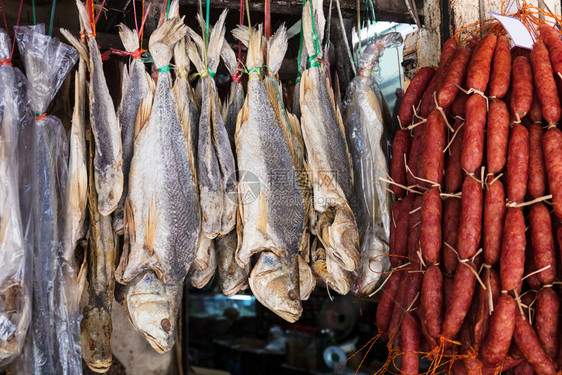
155	343
100	368
233	289
288	315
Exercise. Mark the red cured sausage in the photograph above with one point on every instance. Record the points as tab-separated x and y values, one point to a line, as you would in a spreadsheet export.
403	229
535	113
398	308
433	157
451	217
532	280
431	301
459	303
458	108
521	86
470	225
537	173
527	340
415	231
430	235
546	321
542	242
524	369
518	164
454	78
428	102
502	325
507	364
447	289
545	84
512	261
410	344
386	303
453	169
481	321
552	151
473	136
498	134
449	48
414	94
458	368
395	213
552	40
415	154
501	69
494	214
400	148
481	63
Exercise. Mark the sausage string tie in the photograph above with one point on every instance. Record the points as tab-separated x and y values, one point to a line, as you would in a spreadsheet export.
401	267
452	139
371	341
529	203
440	109
465	262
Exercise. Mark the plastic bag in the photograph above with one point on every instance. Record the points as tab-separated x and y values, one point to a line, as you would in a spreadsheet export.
15	290
54	345
368	133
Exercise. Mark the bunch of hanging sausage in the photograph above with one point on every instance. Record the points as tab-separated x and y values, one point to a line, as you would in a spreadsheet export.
476	235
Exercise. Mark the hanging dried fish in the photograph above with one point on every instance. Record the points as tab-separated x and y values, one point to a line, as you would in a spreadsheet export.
235	100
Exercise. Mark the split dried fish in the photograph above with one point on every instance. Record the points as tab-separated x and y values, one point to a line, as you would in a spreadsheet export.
105	126
327	152
162	221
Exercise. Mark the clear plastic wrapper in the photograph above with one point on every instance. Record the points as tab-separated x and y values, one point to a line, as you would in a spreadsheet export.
369	131
15	293
54	342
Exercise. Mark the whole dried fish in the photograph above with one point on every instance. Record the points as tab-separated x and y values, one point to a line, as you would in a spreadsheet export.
199	278
274	221
136	84
368	133
105	126
162	222
233	278
327	153
15	291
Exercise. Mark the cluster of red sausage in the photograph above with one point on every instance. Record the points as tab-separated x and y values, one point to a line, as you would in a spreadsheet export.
472	215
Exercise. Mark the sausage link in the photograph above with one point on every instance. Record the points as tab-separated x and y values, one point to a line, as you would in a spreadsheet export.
431	301
527	340
546	321
473	135
395	214
552	151
512	260
502	325
518	164
498	134
400	148
458	108
501	69
451	218
552	40
398	308
545	85
430	235
454	78
460	299
415	231
532	280
524	369
414	156
414	94
433	158
535	113
386	303
537	174
470	225
428	102
449	48
521	86
403	229
410	344
494	215
481	321
480	64
453	169
542	242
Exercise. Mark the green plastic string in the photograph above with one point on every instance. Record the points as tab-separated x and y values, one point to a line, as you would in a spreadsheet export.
211	73
33	8
207	10
164	69
167	9
52	17
313	60
299	73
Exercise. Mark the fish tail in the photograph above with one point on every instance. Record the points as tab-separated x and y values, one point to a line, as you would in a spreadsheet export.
276	48
215	42
129	38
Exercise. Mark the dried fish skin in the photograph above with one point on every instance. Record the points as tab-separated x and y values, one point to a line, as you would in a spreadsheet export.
200	278
105	129
135	91
235	99
232	277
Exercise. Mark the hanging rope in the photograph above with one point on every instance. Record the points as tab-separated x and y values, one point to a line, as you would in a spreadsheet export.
52	17
241	23
17	24
4	16
267	19
99	13
135	15
167	9
313	60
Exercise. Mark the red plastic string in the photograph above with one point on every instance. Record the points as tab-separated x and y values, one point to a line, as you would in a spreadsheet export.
144	20
17	24
7	61
90	9
135	15
98	16
41	117
267	19
237	77
136	54
242	3
105	55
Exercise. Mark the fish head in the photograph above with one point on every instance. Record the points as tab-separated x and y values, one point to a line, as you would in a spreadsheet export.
152	307
275	283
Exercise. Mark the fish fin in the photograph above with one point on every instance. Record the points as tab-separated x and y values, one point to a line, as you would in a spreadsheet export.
262	214
254	40
81	279
215	42
307	281
129	231
129	38
79	190
143	114
151	84
242	33
180	57
229	58
197	39
192	52
124	83
150	228
163	39
276	48
242	118
84	18
80	47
